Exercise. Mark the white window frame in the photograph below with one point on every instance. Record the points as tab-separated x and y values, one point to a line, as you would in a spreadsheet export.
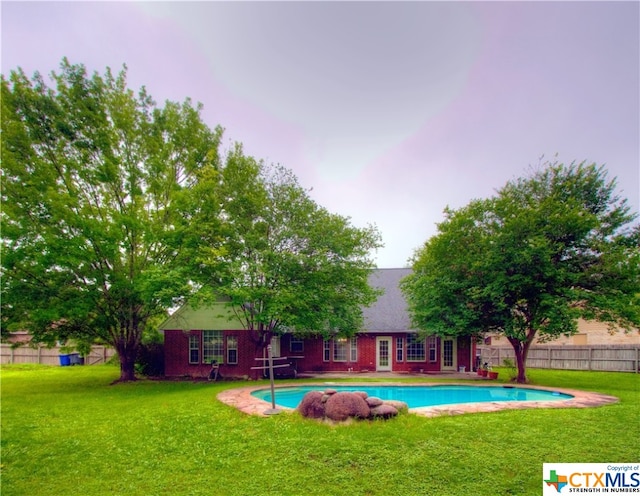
399	349
353	351
340	349
432	345
232	346
212	346
412	340
194	345
299	345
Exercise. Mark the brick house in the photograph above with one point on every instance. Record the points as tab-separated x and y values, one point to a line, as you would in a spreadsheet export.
195	336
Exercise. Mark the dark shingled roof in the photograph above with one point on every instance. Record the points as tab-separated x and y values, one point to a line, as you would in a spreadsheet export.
389	313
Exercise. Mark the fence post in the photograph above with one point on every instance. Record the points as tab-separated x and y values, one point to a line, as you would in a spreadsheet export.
590	357
548	357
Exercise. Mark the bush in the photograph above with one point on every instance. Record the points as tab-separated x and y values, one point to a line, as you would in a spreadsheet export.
150	361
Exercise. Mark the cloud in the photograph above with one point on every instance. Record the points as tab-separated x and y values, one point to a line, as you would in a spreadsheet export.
357	78
389	110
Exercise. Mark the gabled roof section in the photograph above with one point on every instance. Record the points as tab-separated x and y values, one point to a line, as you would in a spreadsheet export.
390	312
212	316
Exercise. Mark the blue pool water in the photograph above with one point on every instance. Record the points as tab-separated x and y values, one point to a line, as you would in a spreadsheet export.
418	396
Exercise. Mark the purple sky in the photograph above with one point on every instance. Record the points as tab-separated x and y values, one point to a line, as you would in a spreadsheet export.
389	111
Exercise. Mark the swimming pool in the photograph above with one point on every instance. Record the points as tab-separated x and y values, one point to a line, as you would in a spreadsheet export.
420	395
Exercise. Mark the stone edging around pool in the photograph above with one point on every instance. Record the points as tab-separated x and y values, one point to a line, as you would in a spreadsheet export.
242	399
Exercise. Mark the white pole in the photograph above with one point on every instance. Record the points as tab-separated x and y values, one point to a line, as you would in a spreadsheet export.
273	410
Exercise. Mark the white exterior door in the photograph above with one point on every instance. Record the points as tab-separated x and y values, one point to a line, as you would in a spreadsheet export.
449	354
383	354
275	346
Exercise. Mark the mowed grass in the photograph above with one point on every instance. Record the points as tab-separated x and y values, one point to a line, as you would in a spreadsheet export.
68	430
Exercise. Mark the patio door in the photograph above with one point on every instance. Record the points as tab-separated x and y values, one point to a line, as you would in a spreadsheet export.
449	354
383	354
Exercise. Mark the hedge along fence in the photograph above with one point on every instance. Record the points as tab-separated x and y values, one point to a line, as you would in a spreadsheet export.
611	358
50	356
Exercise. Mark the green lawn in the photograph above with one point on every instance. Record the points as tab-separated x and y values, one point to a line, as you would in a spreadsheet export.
67	430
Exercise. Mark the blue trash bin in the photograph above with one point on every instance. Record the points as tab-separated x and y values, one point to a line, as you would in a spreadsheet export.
74	359
64	360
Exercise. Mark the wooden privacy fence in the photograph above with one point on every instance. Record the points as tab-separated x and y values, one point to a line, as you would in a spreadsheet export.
50	356
612	358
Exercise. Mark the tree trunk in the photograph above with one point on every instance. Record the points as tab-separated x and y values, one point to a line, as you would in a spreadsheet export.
127	367
521	349
127	353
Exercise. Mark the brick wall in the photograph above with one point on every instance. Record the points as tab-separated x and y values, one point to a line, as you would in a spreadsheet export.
177	356
176	353
314	351
465	353
176	349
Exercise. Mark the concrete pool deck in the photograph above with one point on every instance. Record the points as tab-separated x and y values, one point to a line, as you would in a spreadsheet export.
242	399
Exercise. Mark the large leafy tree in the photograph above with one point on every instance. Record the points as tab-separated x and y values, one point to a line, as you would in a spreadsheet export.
96	194
284	263
545	250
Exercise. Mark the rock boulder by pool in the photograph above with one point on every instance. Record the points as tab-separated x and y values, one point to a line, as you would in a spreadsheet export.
312	405
342	406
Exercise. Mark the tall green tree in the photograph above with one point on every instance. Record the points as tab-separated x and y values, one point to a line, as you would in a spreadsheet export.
547	249
96	208
284	263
